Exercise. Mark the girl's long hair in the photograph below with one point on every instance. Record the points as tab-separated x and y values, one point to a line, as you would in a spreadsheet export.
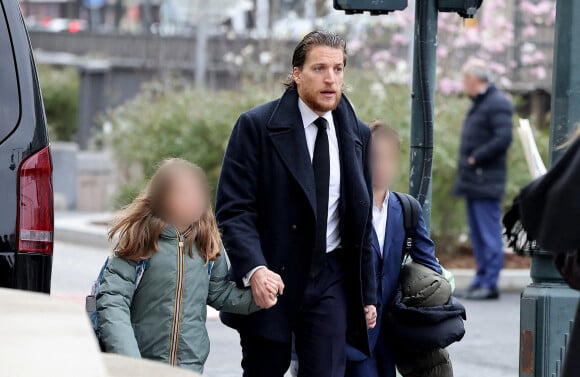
140	224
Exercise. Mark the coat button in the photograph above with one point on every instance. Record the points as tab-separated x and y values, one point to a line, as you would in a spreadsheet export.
282	268
293	227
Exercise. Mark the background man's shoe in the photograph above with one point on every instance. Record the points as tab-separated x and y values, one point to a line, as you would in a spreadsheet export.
462	293
483	294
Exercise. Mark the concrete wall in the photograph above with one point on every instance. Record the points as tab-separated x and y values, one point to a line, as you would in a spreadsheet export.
84	181
64	174
96	183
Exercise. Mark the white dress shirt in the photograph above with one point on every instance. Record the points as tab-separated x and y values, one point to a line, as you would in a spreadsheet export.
333	220
380	221
310	129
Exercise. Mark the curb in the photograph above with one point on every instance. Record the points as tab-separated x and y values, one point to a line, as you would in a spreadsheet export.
510	280
81	229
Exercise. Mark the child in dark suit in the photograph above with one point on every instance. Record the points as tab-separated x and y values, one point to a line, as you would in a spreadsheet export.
388	237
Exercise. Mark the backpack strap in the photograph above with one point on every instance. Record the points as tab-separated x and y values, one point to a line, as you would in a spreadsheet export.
411	213
140	268
103	268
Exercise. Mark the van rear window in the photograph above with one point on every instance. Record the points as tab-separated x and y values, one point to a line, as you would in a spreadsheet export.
9	93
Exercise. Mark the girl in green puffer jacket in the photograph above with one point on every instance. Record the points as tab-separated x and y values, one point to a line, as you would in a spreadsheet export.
162	317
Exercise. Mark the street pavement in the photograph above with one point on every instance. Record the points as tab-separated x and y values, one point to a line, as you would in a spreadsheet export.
489	349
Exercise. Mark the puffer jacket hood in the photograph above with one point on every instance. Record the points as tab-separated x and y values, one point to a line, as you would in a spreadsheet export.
423	287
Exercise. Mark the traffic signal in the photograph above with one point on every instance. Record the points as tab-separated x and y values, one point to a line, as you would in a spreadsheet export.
465	8
375	7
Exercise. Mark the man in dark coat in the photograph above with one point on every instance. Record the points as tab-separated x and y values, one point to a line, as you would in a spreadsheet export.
294	199
481	178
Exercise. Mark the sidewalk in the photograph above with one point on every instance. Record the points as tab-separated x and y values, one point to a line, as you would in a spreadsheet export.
82	228
88	229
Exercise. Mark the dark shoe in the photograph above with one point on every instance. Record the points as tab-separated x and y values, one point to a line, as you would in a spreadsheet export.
483	294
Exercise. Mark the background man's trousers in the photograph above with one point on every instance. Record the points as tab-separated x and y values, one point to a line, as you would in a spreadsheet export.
320	332
484	217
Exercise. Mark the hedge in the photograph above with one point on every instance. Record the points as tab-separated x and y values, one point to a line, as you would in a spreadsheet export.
60	93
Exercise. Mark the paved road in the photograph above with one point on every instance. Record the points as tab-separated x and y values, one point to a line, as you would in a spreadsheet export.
490	348
74	268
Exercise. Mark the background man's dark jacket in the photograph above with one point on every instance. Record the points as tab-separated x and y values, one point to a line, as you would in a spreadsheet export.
266	211
486	136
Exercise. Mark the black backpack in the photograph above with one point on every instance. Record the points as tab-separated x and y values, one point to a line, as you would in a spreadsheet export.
411	215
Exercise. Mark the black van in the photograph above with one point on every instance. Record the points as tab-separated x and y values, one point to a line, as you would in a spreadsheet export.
26	201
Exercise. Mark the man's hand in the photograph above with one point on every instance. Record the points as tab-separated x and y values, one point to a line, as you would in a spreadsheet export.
471	160
371	316
266	286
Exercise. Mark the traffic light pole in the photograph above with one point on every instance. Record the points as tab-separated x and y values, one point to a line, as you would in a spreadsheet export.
423	102
548	305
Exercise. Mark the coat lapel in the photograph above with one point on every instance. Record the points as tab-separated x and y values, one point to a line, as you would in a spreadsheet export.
287	134
354	195
344	122
393	218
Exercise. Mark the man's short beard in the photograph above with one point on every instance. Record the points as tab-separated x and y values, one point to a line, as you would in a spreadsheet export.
315	106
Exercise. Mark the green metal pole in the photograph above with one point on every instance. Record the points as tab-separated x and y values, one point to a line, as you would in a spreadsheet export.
566	80
422	105
548	305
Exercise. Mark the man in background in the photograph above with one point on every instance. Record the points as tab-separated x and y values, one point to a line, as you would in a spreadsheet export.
481	178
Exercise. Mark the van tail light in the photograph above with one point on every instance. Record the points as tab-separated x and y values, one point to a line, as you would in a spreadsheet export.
35	204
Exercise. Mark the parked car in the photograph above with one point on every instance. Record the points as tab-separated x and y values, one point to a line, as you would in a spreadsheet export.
26	201
56	25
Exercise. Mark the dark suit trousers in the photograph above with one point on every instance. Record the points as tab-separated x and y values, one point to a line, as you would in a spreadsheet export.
319	330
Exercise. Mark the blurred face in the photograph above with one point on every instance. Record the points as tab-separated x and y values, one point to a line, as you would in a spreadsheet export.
384	161
471	85
319	81
187	198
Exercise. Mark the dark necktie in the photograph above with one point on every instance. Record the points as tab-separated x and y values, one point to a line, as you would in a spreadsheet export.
321	167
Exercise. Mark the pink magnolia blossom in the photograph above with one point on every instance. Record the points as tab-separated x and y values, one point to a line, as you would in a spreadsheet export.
448	86
492	39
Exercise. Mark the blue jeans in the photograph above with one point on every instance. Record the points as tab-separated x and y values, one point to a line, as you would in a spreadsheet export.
484	217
